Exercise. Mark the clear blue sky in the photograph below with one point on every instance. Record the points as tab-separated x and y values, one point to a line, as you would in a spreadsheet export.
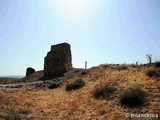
99	31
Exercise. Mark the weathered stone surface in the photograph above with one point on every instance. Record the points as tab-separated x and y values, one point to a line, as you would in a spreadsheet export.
58	60
29	71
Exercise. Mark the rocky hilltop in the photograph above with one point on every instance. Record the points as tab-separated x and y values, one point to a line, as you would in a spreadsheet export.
105	92
80	104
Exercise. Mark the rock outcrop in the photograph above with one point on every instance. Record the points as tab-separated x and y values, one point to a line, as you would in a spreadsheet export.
29	71
58	61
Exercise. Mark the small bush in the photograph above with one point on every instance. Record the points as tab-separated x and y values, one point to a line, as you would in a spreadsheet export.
103	90
132	97
157	64
122	67
54	85
75	85
84	72
152	73
76	71
12	116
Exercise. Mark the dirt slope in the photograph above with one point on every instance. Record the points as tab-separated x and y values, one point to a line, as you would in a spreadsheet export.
59	104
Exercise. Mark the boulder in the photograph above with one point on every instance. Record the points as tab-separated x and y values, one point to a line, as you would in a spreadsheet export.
29	71
57	61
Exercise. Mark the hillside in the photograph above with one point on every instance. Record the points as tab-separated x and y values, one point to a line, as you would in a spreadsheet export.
58	104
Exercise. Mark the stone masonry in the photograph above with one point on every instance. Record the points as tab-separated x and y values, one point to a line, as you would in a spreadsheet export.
57	61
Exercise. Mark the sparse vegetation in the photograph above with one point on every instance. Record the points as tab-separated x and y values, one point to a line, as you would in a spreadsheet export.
133	65
157	64
152	72
149	58
54	85
103	91
84	72
76	71
12	116
132	97
75	85
37	102
105	65
122	67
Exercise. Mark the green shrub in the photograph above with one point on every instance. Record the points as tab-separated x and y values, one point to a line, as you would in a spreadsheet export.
75	85
103	91
157	64
54	85
152	73
12	116
132	97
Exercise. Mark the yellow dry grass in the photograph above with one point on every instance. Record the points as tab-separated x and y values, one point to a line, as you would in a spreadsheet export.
59	104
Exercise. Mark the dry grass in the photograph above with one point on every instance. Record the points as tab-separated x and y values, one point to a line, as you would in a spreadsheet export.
80	104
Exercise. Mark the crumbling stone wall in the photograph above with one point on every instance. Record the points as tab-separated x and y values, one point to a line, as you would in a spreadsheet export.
29	71
58	60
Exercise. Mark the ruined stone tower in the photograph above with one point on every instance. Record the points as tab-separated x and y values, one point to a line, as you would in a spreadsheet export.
58	60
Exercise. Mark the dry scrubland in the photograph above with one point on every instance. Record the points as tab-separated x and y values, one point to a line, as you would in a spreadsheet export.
59	104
